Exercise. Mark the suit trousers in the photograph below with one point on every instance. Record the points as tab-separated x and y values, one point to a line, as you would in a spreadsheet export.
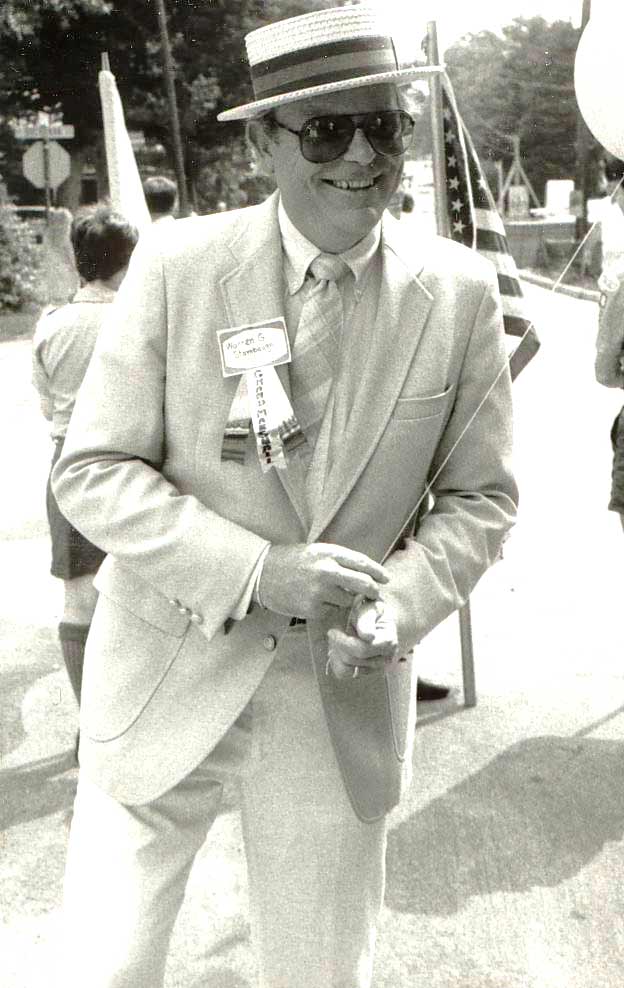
315	871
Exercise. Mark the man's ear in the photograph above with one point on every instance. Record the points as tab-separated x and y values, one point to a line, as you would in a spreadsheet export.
259	140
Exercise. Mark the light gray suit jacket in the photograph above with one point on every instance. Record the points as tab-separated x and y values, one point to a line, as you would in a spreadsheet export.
141	476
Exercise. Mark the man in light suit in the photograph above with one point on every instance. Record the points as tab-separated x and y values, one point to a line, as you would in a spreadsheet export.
262	596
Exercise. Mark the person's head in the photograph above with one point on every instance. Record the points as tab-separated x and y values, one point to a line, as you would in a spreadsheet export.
161	196
329	122
334	203
613	172
103	242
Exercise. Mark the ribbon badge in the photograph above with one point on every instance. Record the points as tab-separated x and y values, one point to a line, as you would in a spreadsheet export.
253	352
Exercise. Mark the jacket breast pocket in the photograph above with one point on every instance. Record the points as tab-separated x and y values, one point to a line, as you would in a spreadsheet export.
136	635
422	406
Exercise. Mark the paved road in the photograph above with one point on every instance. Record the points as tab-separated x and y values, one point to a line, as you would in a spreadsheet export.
505	860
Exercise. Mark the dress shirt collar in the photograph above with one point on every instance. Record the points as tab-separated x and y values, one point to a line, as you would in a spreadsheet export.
300	252
94	291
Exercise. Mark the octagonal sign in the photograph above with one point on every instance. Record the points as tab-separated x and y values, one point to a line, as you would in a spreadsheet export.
34	168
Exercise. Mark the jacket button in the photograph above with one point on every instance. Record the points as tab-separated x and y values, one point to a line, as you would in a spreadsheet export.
269	642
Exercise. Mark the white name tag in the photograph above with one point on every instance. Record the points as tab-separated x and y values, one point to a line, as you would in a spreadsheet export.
247	348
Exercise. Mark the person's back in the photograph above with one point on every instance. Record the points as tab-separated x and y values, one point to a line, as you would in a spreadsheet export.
63	344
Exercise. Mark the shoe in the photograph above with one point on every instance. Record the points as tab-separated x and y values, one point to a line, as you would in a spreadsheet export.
426	690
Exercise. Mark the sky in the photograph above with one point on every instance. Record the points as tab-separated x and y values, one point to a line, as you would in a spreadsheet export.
455	18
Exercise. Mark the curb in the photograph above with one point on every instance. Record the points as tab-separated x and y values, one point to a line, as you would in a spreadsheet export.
586	294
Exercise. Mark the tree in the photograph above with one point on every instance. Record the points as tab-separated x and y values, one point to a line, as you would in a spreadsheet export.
54	47
51	52
207	44
19	258
521	83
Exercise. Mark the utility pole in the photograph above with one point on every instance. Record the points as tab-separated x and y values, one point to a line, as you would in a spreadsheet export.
437	131
517	175
173	108
583	141
443	229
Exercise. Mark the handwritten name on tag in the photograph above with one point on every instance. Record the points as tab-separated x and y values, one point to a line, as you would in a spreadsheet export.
246	348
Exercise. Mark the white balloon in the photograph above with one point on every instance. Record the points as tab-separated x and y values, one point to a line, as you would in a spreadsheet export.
599	80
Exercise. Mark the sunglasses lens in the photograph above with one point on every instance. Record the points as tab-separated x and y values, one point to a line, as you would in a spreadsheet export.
389	132
326	138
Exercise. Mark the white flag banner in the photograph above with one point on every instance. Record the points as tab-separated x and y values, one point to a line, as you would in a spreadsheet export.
126	191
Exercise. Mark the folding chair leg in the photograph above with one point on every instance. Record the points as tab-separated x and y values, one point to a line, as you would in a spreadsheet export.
467	656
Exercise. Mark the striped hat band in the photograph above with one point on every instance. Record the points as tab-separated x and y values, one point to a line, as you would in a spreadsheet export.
323	64
322	52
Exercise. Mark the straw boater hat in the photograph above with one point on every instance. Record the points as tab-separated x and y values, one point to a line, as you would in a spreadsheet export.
321	52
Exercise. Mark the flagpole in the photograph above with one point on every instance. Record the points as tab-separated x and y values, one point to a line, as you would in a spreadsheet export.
443	228
173	108
437	132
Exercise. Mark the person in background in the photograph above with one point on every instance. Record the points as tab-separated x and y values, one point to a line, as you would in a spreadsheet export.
63	342
263	593
611	218
161	196
58	267
609	368
609	365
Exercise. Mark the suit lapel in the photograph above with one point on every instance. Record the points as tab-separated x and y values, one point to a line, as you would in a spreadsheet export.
381	364
253	290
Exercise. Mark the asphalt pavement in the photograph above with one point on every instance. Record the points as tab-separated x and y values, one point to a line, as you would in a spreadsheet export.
505	859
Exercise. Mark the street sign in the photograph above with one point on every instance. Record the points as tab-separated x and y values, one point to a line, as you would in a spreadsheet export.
34	166
36	132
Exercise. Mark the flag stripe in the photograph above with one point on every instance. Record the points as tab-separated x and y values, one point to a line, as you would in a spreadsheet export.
515	325
509	286
504	262
514	306
474	221
488	220
488	240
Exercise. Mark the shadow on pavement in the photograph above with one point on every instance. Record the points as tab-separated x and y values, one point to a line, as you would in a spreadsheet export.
534	816
433	710
37	789
15	685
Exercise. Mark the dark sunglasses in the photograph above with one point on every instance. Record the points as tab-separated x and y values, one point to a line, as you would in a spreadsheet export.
321	139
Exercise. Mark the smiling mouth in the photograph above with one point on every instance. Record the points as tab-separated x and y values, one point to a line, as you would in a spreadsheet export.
353	185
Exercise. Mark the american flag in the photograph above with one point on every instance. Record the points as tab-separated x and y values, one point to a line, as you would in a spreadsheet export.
475	222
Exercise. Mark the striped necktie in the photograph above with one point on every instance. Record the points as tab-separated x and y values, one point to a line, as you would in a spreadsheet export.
316	351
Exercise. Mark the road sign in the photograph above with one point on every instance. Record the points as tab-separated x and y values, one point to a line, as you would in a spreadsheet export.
36	132
34	167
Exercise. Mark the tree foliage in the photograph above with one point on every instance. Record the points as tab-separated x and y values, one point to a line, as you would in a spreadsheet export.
521	83
51	51
50	54
20	257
